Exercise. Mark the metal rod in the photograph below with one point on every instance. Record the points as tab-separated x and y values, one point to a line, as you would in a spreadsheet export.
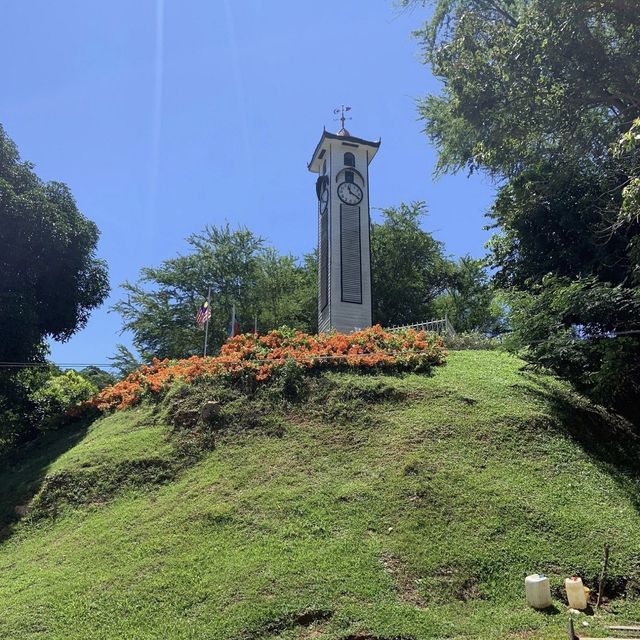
206	326
603	575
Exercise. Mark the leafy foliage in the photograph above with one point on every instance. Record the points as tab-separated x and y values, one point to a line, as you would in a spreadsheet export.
99	378
545	96
160	309
470	301
50	278
255	359
470	341
586	331
627	153
18	416
409	269
124	361
50	281
59	397
413	280
559	80
554	220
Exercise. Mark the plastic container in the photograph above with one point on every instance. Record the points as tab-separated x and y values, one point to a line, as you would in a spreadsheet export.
576	593
538	591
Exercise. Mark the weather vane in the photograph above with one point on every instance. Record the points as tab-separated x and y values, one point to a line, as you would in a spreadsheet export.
342	110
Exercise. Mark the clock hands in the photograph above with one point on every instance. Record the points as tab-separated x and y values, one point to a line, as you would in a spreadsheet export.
354	193
350	193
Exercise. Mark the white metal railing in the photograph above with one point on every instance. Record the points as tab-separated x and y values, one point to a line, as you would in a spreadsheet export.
442	327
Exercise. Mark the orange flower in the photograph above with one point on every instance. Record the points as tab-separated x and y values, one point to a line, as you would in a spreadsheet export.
261	356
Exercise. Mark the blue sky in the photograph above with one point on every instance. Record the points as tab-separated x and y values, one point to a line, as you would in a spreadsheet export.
165	116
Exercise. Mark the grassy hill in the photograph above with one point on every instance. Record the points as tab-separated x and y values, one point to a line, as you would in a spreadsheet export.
372	507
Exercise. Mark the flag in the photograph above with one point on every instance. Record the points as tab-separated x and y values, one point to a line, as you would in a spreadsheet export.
233	329
203	314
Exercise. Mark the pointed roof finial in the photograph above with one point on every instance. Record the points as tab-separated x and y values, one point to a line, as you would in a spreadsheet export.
342	110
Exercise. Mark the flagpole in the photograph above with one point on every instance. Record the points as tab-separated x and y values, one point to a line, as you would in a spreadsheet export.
206	326
233	320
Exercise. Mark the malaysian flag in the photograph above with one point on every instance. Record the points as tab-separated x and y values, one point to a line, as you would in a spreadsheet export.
203	314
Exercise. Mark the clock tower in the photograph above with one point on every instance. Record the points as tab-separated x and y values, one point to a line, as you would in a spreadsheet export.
344	260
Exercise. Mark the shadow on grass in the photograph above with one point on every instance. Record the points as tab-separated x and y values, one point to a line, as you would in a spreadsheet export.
611	441
551	610
23	474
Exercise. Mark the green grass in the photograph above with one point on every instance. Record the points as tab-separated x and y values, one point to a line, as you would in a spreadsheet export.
399	507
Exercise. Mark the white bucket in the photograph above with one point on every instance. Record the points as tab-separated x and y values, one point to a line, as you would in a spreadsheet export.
538	591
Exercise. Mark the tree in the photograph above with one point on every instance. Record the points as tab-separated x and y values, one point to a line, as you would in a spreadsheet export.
98	377
408	267
543	95
530	80
413	280
50	278
19	418
50	281
160	308
123	361
286	291
470	302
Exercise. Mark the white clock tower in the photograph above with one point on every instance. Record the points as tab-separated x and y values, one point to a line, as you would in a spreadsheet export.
344	260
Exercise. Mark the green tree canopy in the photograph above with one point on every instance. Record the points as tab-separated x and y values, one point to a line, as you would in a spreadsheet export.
124	361
470	302
530	80
50	281
160	308
408	265
545	96
50	278
98	377
58	396
414	281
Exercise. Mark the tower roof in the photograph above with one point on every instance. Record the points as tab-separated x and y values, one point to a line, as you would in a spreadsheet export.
346	139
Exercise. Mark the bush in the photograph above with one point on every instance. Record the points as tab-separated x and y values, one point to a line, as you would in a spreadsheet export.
18	422
284	355
61	398
470	341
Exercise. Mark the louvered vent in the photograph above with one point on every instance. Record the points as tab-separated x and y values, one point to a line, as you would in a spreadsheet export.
324	260
350	254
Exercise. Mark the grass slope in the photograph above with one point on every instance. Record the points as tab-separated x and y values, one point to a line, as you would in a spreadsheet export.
392	507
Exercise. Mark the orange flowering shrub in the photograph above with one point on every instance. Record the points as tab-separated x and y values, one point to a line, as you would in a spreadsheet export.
260	357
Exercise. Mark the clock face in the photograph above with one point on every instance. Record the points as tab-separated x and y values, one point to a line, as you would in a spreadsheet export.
349	193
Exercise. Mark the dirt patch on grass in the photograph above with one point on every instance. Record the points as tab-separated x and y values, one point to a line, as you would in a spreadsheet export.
305	619
452	583
405	581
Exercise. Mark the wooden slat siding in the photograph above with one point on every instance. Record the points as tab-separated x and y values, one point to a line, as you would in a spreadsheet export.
324	259
350	254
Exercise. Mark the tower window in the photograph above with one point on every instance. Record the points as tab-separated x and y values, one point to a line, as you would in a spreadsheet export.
348	176
324	167
349	159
